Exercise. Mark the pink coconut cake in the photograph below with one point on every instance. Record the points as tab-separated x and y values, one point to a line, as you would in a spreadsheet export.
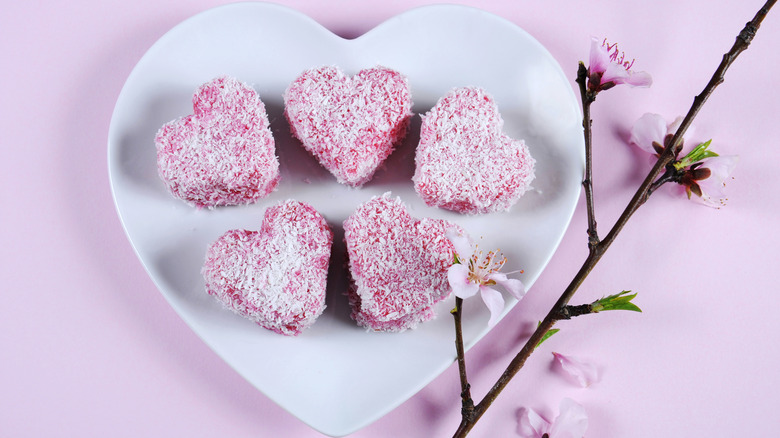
398	265
276	276
223	153
350	124
464	162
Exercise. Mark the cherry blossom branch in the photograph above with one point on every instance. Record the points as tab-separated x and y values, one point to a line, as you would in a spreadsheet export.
471	415
741	44
587	183
465	394
569	311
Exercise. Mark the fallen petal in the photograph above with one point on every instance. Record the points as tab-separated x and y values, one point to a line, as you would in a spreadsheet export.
572	421
530	424
584	373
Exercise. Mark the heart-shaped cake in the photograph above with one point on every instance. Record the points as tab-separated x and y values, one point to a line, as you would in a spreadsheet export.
398	264
223	153
350	124
276	276
464	161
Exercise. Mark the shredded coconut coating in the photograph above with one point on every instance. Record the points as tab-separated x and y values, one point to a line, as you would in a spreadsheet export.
464	162
223	153
398	265
349	124
276	276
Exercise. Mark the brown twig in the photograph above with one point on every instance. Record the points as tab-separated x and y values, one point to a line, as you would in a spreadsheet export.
650	183
467	403
588	98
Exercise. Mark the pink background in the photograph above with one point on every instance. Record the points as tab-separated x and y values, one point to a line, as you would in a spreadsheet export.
90	348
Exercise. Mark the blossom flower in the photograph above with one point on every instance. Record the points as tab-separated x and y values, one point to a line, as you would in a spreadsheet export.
710	189
608	67
701	171
651	133
474	271
584	373
571	422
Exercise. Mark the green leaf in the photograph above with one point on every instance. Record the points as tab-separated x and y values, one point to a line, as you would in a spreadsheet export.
623	306
621	301
698	153
547	335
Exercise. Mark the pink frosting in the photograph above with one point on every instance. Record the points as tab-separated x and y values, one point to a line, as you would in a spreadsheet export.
398	265
464	162
349	124
276	276
223	154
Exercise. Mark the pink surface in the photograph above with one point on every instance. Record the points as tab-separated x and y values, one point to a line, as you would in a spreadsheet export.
90	348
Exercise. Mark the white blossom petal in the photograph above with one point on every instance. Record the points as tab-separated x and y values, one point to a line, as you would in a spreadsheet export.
612	67
458	276
512	285
638	79
494	302
462	244
675	125
584	373
649	129
572	421
687	143
713	191
599	57
530	424
615	73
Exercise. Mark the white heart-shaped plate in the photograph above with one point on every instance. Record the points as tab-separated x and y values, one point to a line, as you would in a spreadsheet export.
335	376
